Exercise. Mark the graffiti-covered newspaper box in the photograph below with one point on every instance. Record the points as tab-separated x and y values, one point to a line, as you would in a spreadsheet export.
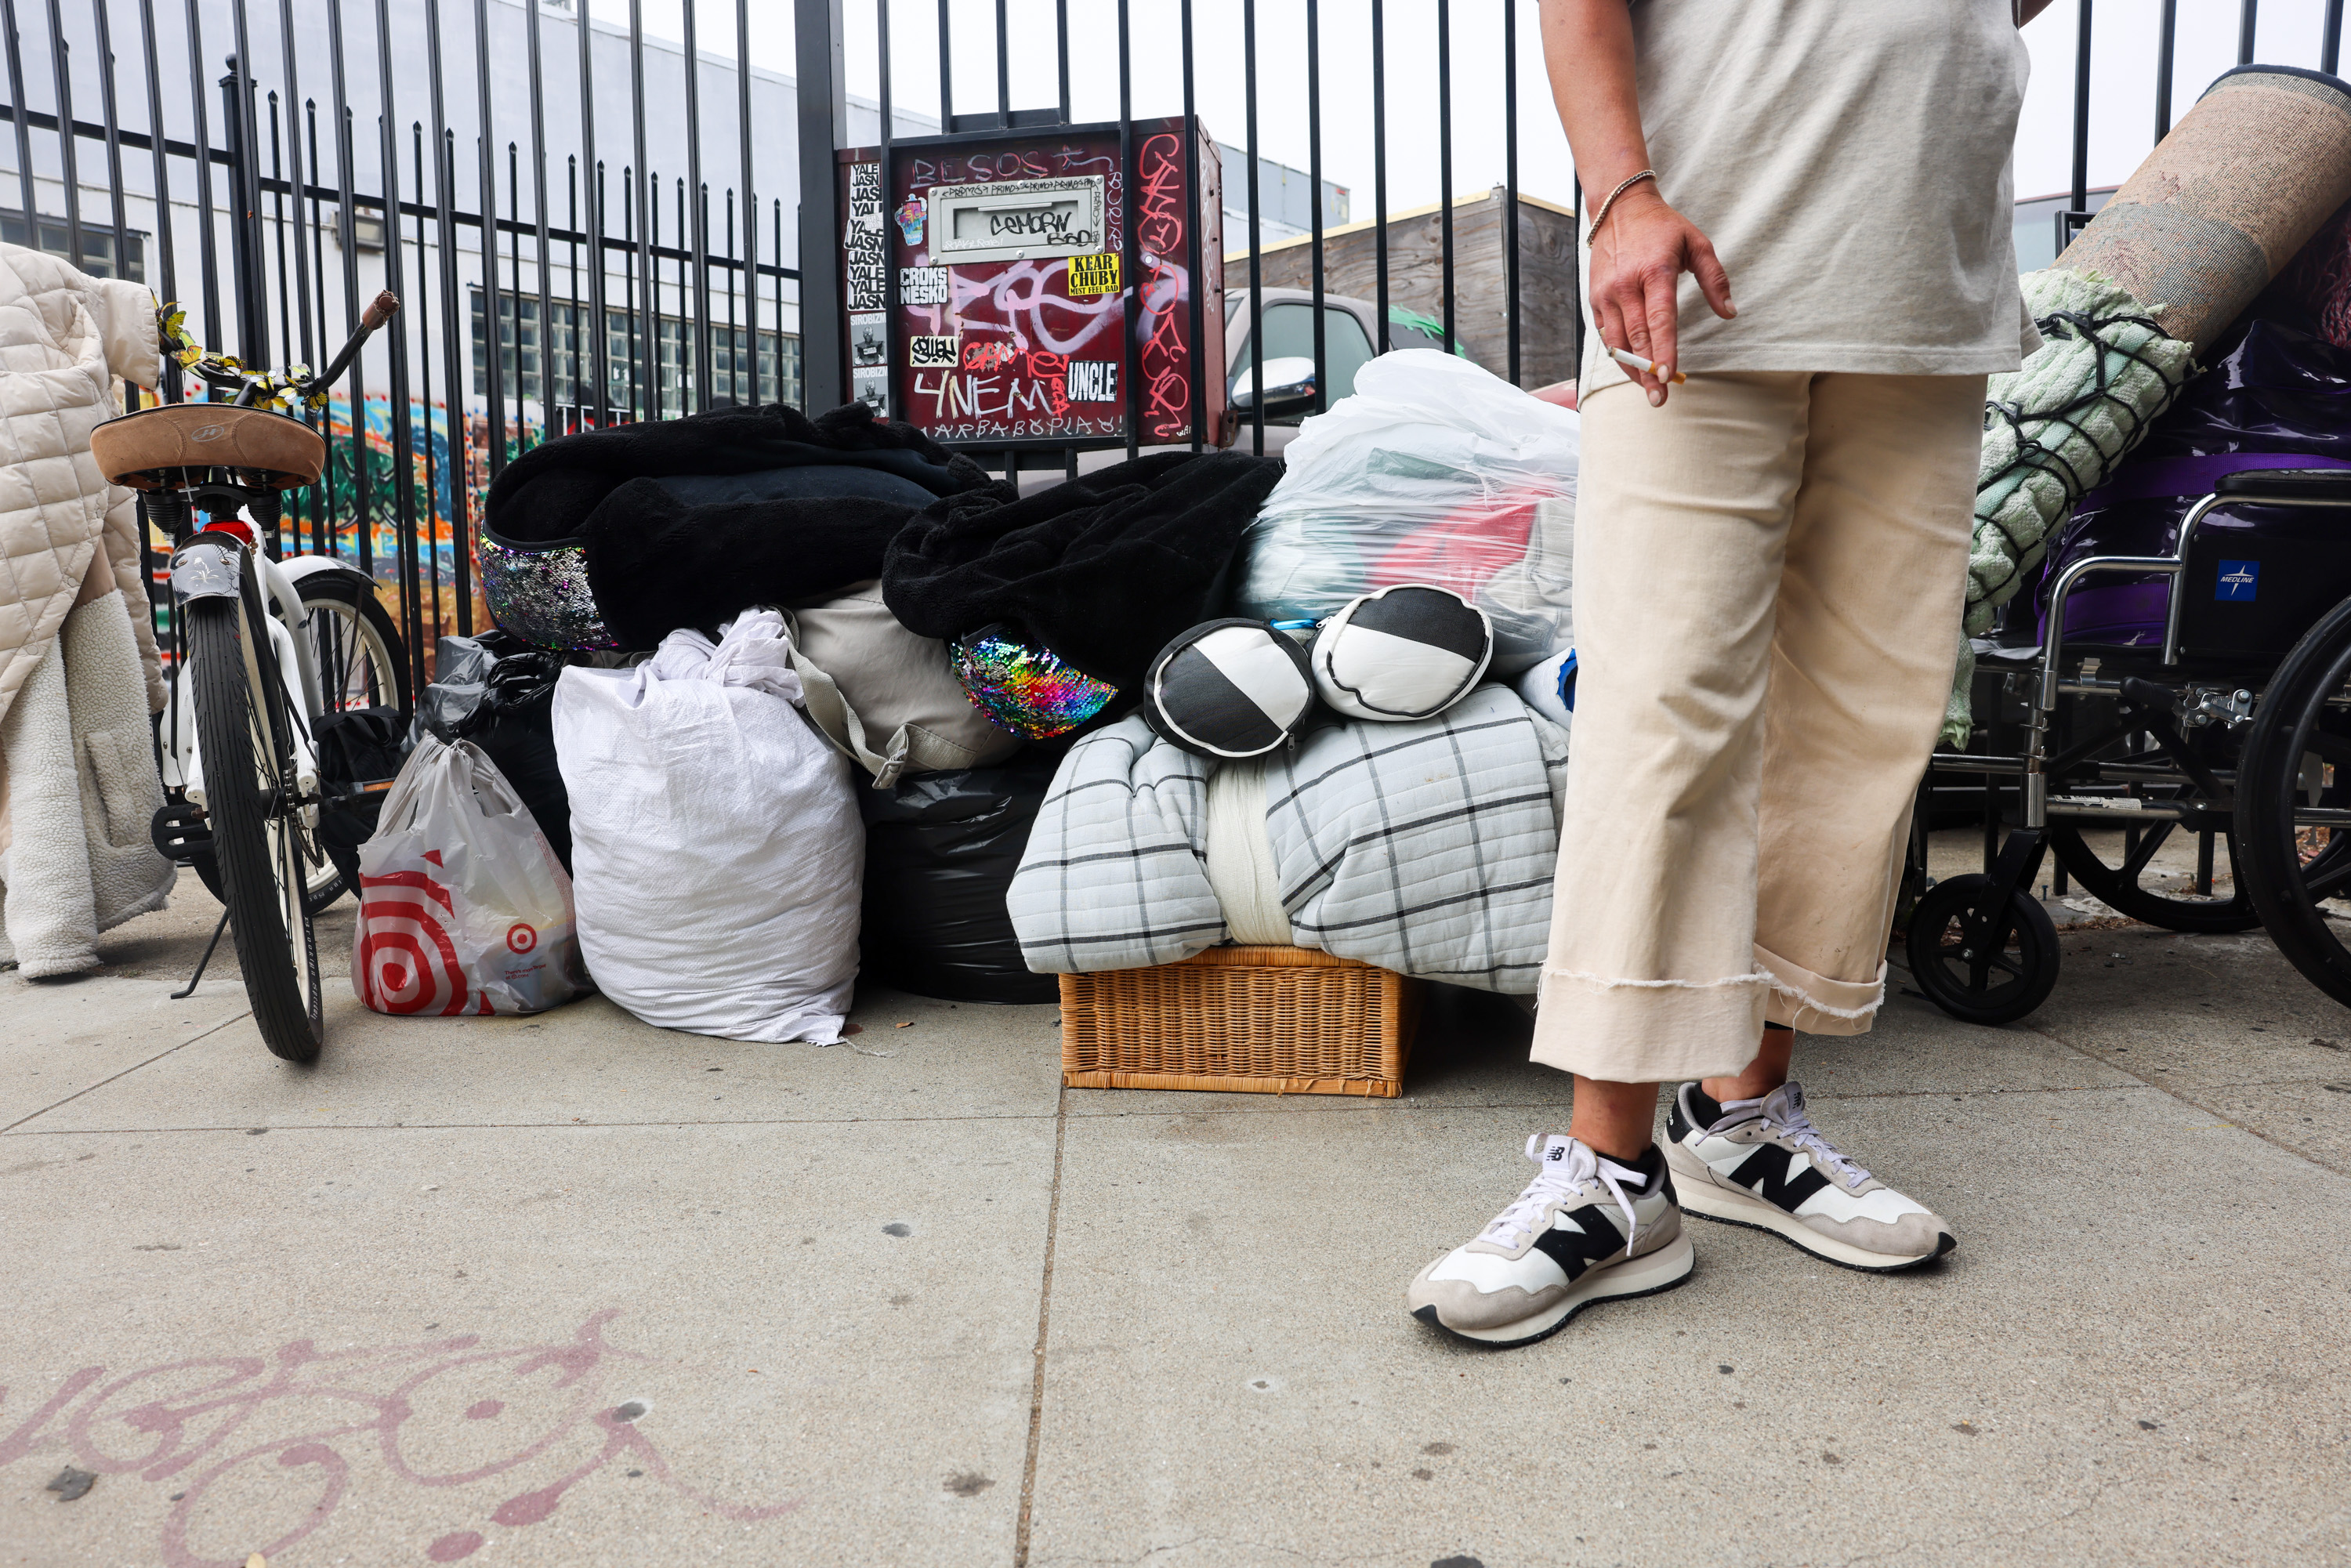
1057	286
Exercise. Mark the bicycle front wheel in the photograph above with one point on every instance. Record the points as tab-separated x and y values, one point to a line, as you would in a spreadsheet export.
265	857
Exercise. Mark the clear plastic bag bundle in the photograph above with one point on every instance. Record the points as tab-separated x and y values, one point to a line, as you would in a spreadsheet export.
1434	470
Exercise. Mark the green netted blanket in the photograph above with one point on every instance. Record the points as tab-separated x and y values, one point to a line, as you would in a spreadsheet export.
2054	431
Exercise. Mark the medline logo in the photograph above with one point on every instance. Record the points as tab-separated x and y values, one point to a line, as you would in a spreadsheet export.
2239	580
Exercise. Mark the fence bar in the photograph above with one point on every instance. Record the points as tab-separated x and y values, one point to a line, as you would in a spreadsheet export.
421	306
252	279
322	529
454	360
1379	169
347	231
2081	186
1314	180
750	193
1445	159
823	114
584	35
1061	51
302	175
108	113
538	210
1003	69
23	124
167	266
2246	15
735	340
2330	42
648	347
404	441
210	266
888	271
1511	182
1129	287
1256	237
1194	253
493	314
2167	44
69	155
700	231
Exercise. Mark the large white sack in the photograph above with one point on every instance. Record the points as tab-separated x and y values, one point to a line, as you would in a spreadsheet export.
717	851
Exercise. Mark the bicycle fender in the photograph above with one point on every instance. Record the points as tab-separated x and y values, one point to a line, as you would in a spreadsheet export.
298	568
202	569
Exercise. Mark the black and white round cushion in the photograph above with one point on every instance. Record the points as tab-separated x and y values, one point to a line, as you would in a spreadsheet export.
1228	689
1405	652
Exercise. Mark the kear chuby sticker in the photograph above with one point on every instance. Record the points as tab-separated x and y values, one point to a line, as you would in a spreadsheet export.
1093	274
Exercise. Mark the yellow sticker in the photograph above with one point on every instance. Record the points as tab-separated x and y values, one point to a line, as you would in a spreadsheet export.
1091	275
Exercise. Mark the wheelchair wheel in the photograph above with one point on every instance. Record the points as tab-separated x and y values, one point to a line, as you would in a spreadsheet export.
1979	964
2121	886
2297	767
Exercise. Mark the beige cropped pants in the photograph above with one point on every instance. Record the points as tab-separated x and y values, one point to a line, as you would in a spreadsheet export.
1769	578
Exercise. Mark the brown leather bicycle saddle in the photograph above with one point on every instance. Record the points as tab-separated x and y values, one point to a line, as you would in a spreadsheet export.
149	449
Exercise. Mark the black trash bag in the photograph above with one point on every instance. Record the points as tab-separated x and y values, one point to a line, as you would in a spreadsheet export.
357	747
499	691
940	851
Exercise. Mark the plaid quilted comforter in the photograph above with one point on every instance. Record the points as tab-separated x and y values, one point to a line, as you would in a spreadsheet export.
1427	847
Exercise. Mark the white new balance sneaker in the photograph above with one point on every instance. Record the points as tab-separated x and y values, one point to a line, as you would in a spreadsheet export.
1585	1230
1762	1164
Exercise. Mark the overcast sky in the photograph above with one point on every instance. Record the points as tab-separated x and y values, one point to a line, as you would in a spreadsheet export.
2122	93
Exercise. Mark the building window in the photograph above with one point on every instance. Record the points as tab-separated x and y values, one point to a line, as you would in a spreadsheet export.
520	359
97	257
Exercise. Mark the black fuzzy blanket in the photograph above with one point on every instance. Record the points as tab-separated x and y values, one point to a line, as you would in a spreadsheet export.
1104	569
686	522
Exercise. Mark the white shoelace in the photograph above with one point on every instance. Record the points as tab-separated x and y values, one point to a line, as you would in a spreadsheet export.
1790	1121
1561	1182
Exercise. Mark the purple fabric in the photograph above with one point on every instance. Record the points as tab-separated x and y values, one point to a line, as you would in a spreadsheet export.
2194	475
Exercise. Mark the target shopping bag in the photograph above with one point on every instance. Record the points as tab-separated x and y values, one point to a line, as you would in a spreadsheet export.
463	907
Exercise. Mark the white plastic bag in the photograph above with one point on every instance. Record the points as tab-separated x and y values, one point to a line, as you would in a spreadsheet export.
1434	471
463	907
716	844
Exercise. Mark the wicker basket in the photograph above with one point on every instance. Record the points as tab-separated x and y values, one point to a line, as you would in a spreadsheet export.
1266	1021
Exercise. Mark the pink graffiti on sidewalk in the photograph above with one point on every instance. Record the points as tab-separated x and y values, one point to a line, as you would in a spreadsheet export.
196	1432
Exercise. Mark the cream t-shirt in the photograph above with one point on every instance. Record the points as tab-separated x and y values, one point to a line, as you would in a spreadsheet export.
1849	159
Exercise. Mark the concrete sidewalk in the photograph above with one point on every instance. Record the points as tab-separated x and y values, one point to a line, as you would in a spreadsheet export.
571	1291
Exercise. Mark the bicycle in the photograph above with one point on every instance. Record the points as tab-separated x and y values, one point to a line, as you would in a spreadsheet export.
267	649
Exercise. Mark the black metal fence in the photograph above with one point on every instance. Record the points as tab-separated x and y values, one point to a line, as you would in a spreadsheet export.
587	224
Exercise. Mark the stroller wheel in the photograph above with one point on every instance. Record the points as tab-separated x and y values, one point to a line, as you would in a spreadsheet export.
1979	964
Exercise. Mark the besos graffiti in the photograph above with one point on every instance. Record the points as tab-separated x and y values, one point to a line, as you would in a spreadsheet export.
205	1424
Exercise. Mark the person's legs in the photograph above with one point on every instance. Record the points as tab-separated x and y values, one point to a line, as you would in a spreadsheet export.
1861	666
1682	521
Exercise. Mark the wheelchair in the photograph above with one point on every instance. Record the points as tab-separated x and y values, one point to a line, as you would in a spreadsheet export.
2233	732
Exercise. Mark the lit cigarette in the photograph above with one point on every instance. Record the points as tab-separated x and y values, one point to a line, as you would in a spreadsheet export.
1633	362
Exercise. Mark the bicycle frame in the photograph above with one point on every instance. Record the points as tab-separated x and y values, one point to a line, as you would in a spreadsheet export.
210	564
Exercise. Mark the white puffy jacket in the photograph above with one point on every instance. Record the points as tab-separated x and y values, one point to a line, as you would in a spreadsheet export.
65	337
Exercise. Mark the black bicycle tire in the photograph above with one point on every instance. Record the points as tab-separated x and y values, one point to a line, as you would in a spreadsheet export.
341	589
2037	939
223	701
2267	778
2100	882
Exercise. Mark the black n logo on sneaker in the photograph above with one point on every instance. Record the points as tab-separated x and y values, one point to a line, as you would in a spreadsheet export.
1576	1251
1764	1172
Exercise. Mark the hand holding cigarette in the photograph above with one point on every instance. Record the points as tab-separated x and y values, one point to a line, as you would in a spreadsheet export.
1633	362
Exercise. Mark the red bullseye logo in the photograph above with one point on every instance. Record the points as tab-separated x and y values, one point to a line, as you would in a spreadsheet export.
406	962
521	938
